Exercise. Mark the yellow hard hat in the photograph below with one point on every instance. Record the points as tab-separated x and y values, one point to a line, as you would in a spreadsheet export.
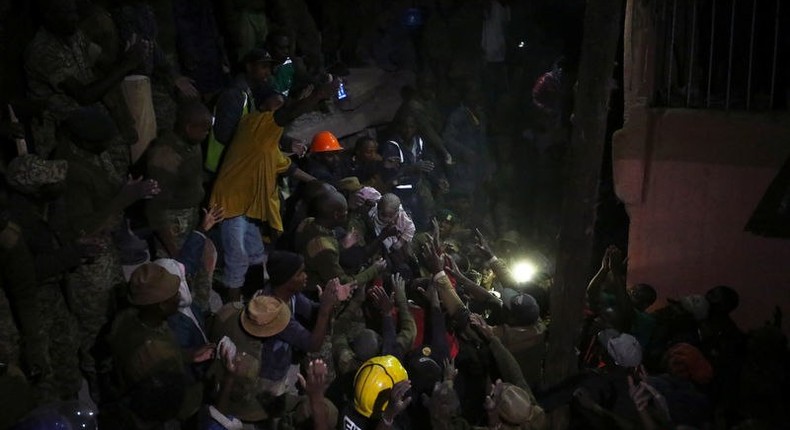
373	383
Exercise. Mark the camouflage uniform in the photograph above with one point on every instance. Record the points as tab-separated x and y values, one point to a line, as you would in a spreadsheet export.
351	322
321	252
245	21
138	20
62	378
183	222
53	259
93	287
528	345
243	402
18	281
15	396
248	399
50	62
9	334
445	406
295	16
142	352
178	168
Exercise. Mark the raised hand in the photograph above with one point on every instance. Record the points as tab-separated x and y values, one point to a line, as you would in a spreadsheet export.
186	87
344	291
388	232
432	258
437	237
482	326
398	402
450	372
398	283
380	265
328	295
211	217
204	353
431	294
482	245
350	239
137	188
314	379
381	300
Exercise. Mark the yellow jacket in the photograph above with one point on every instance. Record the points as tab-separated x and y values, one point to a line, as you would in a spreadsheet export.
247	180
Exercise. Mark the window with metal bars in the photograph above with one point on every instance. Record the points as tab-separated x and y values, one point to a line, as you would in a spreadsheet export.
722	54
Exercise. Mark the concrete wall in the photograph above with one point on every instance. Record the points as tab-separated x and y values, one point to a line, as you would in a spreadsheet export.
690	180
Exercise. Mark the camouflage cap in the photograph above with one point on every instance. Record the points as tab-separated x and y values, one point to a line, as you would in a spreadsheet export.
28	173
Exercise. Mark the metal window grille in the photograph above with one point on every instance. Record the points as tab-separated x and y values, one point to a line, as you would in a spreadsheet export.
722	54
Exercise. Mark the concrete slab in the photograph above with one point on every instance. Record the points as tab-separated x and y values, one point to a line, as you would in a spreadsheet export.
373	98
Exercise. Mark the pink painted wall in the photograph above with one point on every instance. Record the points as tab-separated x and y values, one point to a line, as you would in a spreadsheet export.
690	181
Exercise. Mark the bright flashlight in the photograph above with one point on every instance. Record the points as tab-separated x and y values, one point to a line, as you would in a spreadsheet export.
523	271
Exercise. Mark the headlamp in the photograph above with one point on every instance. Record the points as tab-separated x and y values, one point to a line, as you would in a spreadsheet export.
523	271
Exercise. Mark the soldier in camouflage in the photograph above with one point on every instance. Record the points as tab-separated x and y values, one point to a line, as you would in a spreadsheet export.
60	71
321	250
18	282
175	161
95	198
34	206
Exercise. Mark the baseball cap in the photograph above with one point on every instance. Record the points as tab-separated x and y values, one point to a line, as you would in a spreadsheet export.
623	348
523	308
424	372
258	55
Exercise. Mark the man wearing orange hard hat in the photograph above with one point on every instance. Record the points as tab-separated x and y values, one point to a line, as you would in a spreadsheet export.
324	162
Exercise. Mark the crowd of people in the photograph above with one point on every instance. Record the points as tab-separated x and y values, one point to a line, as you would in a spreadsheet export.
171	253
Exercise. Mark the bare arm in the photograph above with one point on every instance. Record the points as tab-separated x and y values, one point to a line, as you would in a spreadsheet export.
596	283
303	176
328	301
500	270
295	109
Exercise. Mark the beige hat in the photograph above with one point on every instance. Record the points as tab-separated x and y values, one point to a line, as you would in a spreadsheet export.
265	316
514	405
350	184
151	284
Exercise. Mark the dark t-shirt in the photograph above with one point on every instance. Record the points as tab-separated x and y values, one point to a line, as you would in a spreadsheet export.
277	351
354	421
